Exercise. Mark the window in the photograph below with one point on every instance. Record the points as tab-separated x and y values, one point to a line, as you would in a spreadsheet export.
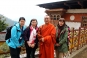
58	16
84	21
55	16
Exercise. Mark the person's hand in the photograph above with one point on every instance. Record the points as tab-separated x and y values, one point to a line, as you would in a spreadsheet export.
28	44
19	47
57	44
32	45
42	39
40	27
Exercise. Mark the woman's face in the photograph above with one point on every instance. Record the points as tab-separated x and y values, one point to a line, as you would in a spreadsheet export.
61	23
34	23
22	22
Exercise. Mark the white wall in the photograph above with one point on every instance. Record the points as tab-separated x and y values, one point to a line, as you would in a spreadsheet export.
76	11
76	25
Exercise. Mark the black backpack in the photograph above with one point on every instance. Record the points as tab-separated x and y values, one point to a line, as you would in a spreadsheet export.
8	33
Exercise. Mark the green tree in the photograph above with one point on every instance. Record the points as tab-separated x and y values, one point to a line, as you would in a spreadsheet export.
3	25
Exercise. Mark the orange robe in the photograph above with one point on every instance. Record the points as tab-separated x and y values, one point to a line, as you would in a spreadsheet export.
47	47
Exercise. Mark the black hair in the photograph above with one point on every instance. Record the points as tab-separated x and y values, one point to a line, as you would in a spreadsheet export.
21	18
33	20
63	20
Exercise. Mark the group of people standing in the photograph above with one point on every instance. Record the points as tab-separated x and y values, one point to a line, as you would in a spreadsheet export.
46	37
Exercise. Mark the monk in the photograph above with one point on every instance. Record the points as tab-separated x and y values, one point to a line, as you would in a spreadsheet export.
46	36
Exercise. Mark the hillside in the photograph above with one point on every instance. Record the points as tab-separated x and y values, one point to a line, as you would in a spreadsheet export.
8	21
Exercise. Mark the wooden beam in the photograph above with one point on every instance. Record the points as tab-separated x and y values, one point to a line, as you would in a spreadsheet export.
80	4
67	5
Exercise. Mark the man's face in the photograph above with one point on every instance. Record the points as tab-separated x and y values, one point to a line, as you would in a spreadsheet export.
47	19
22	22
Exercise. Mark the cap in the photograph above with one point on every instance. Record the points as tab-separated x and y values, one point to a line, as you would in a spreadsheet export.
61	19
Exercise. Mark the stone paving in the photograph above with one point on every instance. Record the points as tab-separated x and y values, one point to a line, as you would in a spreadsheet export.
82	54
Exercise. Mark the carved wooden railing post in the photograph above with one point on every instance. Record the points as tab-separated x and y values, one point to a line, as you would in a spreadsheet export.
79	38
71	41
84	37
86	34
72	38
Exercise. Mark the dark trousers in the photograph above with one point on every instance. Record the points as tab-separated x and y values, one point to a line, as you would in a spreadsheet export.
15	53
30	51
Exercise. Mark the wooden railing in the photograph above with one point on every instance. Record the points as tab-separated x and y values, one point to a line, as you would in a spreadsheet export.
78	38
2	42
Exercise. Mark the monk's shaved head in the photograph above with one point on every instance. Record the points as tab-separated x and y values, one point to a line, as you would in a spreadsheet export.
47	16
47	19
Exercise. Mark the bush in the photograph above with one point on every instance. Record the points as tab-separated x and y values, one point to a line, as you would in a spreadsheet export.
4	47
3	25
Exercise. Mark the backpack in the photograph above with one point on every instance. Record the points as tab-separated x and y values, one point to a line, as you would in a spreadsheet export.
8	33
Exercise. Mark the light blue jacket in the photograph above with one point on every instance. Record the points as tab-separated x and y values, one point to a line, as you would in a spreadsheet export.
15	36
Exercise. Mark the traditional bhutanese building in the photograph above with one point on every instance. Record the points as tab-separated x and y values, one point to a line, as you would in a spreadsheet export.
74	12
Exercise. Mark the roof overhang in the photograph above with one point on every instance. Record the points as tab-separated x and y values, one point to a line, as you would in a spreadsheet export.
78	4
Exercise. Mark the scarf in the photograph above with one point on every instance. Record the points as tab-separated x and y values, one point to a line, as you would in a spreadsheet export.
32	35
59	31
